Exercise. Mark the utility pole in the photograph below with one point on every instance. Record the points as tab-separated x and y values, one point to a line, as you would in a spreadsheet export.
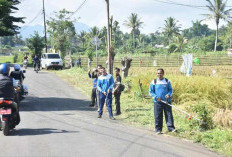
108	37
45	30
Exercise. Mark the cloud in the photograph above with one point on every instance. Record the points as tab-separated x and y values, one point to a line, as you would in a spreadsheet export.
93	13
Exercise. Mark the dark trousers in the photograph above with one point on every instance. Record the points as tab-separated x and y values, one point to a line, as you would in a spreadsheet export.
93	96
108	99
159	108
117	102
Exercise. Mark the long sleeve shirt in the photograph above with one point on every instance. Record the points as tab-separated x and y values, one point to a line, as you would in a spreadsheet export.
105	82
160	89
94	79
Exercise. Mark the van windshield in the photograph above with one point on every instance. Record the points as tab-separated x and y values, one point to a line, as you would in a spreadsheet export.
53	56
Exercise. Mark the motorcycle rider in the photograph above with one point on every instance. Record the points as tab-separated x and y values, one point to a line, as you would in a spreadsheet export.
36	60
7	87
25	60
17	74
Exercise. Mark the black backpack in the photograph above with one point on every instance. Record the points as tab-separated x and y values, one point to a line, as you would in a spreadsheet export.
122	87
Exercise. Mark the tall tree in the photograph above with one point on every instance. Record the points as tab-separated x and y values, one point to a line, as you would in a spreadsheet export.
134	23
82	38
7	21
94	31
35	43
229	34
171	28
62	31
218	12
197	30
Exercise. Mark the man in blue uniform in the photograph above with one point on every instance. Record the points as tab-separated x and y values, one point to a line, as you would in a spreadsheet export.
105	85
161	89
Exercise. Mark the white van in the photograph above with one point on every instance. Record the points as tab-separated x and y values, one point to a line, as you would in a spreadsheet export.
51	60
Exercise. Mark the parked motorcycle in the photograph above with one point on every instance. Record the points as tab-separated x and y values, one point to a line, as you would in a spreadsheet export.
9	115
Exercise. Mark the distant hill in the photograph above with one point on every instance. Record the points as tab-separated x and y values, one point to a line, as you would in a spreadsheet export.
26	31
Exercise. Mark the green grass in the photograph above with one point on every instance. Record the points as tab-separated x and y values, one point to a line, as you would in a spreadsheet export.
6	59
139	112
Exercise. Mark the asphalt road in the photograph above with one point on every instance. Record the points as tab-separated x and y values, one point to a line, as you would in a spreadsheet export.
57	122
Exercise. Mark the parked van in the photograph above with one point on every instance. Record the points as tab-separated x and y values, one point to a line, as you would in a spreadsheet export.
51	60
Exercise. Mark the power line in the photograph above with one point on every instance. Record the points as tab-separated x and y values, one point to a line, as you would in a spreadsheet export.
82	4
37	15
185	5
180	4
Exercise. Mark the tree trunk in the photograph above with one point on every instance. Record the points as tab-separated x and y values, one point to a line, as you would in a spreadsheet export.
133	40
126	63
230	42
216	39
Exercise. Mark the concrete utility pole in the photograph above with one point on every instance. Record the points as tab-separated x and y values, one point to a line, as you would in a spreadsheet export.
108	37
45	30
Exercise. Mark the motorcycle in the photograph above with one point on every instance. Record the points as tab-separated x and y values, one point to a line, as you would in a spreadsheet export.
37	63
20	90
9	115
25	62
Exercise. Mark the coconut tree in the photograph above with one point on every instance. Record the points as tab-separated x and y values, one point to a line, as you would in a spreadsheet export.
82	38
171	28
115	30
218	11
94	31
134	23
229	34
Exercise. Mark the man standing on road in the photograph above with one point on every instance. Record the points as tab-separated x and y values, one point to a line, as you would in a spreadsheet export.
105	85
96	75
161	89
117	92
94	91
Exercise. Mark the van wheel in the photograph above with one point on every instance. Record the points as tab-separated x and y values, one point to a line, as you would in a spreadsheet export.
46	67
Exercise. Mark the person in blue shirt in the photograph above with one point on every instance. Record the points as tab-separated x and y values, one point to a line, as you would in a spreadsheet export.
161	89
105	85
94	92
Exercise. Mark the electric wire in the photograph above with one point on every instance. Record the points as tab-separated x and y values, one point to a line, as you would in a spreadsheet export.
81	5
26	26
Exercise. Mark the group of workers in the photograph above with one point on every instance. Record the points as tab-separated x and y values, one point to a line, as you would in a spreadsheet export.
104	86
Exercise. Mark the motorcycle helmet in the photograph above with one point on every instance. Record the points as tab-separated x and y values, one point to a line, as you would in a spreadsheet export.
17	67
4	69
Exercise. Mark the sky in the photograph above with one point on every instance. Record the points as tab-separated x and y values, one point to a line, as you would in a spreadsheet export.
93	13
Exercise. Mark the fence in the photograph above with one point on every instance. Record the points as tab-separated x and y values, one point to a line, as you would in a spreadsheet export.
164	61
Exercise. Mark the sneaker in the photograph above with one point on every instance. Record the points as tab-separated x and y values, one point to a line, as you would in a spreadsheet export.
173	130
112	118
158	132
91	105
99	116
117	114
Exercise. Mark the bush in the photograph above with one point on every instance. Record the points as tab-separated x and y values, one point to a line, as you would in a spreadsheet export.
15	57
204	115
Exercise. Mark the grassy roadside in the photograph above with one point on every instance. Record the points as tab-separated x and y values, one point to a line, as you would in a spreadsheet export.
139	112
6	59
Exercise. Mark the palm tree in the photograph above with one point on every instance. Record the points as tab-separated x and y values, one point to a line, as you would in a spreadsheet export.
180	42
171	28
94	31
115	30
218	11
82	38
133	22
229	34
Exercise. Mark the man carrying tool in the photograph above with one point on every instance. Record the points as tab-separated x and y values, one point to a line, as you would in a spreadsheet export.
105	85
161	90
